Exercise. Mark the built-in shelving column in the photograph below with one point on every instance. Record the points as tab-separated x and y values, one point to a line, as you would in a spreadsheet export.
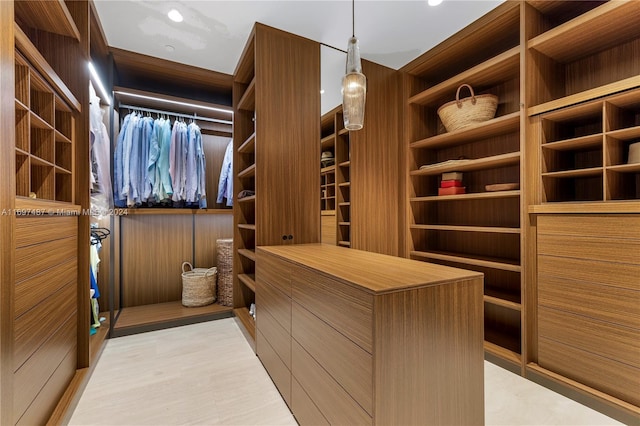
343	182
479	229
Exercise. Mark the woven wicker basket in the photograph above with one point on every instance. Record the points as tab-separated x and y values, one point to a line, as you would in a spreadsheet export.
463	112
198	286
224	247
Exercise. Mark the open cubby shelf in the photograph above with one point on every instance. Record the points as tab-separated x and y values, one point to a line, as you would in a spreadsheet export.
45	141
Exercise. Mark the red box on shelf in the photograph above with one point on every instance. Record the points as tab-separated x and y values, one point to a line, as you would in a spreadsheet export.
452	191
450	183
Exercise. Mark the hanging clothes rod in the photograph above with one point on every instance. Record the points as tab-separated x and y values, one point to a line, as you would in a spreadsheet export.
175	114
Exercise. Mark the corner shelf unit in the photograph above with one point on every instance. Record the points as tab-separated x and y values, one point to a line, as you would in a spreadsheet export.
343	182
244	141
45	129
478	230
328	173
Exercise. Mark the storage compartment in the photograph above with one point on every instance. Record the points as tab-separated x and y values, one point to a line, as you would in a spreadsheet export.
64	155
579	188
42	180
64	186
22	175
624	185
586	156
572	123
64	119
502	327
490	212
22	130
43	144
22	82
41	101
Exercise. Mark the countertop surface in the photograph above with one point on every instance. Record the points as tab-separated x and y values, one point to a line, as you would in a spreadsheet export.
373	272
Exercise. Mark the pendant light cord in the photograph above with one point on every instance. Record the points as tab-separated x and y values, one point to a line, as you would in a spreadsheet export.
353	18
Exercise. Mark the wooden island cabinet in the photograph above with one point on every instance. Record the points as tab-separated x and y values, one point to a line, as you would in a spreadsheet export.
353	337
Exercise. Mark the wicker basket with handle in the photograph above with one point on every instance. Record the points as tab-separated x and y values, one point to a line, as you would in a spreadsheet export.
463	112
198	286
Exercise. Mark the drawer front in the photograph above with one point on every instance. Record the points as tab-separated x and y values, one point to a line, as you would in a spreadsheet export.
591	271
278	304
278	337
279	372
607	226
303	408
606	303
40	229
335	404
34	327
350	365
591	248
614	378
32	260
37	289
274	271
597	337
343	307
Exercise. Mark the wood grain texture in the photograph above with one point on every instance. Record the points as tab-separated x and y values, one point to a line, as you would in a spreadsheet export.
376	165
34	290
52	16
7	201
274	302
31	377
208	229
37	229
44	405
347	309
168	312
35	259
303	408
278	371
591	248
614	378
30	329
151	259
131	65
328	229
605	339
274	272
335	404
589	296
347	363
287	157
611	226
434	339
354	267
275	334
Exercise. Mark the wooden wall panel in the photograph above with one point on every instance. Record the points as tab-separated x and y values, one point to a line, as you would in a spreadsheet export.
35	327
33	260
152	258
591	248
7	203
207	229
34	374
377	165
421	328
288	136
609	226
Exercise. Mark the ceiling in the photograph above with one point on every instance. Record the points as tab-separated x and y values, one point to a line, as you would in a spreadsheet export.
213	33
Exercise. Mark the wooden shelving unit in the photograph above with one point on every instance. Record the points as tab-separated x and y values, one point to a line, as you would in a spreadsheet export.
478	230
45	140
343	182
285	175
583	111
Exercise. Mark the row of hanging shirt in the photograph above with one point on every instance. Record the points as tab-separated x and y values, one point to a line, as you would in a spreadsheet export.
155	163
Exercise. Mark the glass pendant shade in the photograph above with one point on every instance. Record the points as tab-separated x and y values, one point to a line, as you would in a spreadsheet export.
354	89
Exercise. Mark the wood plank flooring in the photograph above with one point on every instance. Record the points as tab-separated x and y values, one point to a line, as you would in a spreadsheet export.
207	374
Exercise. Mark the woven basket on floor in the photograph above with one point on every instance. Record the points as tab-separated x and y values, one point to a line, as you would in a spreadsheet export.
224	248
463	112
198	286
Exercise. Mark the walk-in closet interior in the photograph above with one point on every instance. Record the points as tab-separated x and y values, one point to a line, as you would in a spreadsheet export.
371	271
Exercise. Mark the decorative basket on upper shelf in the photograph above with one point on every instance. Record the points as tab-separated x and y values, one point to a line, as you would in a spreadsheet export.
463	112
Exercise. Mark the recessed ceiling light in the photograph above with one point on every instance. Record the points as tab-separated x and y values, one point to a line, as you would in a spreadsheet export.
434	2
176	16
322	91
169	48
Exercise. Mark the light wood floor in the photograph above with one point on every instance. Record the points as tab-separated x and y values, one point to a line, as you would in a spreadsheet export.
206	374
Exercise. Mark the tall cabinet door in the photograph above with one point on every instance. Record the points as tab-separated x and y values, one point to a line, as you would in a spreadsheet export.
287	133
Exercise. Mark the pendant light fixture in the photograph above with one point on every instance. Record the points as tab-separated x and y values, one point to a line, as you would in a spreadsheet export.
354	83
